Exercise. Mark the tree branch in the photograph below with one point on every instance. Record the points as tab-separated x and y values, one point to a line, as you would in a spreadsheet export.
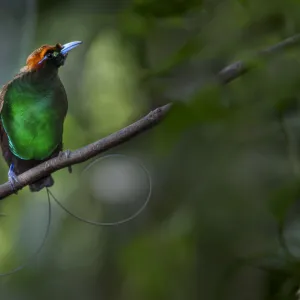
87	152
226	75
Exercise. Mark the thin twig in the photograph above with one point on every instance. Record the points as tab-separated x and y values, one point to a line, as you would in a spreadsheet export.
226	75
239	68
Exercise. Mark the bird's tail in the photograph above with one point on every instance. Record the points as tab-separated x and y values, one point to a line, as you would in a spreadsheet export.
41	183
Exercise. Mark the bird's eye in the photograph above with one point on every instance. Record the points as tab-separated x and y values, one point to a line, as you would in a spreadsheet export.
52	54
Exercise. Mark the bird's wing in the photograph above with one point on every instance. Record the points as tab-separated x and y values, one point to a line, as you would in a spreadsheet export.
3	136
2	93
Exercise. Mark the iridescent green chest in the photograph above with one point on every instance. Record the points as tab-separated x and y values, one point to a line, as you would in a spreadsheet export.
33	121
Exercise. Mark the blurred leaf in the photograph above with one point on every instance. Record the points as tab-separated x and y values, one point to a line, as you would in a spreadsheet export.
282	198
188	50
268	24
286	106
281	287
180	118
208	104
204	107
162	9
153	264
271	263
135	24
110	84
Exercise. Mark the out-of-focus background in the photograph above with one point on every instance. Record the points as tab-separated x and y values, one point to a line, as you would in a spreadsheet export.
223	219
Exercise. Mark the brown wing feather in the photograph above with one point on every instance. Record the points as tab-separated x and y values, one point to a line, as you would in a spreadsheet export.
3	136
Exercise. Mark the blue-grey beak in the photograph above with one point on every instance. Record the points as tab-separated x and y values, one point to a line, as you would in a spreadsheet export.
69	46
65	49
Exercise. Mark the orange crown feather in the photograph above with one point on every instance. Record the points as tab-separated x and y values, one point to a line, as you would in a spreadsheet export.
37	55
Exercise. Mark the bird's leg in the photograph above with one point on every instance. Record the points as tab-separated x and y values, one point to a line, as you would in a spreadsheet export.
66	154
12	178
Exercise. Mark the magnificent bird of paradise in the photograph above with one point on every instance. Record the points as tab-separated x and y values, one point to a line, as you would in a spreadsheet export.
33	107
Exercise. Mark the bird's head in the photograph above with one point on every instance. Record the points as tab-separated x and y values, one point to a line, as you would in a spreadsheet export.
50	55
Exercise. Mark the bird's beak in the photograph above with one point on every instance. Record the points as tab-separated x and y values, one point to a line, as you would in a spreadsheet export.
69	46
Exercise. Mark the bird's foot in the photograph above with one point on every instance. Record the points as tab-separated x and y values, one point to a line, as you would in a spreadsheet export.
66	154
12	178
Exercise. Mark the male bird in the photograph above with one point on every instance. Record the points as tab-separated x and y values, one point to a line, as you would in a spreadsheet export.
33	107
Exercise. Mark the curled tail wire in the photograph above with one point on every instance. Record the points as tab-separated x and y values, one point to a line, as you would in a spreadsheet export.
39	249
91	222
130	218
123	221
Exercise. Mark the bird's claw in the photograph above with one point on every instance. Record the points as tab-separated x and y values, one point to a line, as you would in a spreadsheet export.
12	178
66	154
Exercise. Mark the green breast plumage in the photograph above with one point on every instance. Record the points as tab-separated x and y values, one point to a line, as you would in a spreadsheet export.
33	120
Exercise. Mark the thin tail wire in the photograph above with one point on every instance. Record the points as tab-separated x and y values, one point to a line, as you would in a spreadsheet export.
123	221
95	223
50	194
38	251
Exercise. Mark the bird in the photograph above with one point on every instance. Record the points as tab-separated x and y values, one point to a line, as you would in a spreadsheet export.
33	107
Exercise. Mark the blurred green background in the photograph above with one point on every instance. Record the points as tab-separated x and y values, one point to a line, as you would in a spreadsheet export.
223	220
